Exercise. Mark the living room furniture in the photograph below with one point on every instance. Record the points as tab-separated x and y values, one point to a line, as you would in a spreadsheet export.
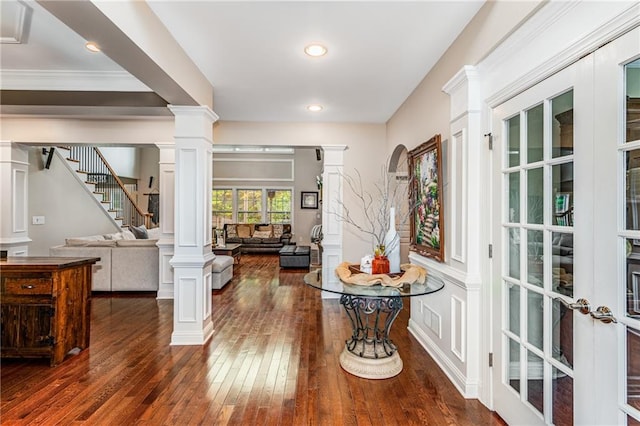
221	271
126	263
232	250
46	306
258	238
294	256
370	353
124	266
316	238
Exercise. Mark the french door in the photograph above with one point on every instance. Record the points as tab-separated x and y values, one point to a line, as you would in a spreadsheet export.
566	295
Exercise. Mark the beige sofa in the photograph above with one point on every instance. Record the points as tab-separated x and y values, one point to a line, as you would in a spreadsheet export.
126	263
130	264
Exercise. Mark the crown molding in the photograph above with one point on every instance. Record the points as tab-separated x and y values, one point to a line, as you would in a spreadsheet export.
108	81
535	31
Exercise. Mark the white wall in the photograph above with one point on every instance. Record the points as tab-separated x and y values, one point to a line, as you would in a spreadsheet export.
123	160
67	207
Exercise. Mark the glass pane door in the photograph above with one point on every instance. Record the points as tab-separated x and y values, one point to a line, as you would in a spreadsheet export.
630	151
538	333
568	172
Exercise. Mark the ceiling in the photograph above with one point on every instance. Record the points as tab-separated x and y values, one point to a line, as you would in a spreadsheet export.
252	54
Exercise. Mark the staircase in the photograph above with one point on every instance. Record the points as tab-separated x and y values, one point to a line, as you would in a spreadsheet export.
96	175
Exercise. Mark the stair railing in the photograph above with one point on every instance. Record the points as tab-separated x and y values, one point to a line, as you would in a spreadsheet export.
92	162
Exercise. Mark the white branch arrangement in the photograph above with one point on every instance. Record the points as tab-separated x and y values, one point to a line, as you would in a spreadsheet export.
376	207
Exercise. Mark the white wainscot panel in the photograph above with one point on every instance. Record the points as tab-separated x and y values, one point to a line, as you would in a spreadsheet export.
458	328
206	297
187	289
188	203
459	195
19	201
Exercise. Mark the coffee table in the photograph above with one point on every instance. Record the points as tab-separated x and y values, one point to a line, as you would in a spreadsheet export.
232	249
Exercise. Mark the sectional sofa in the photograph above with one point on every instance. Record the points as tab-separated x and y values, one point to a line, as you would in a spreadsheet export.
126	263
258	237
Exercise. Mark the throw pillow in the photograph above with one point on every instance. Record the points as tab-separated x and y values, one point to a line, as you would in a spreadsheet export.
231	231
115	236
268	228
128	235
154	233
244	231
278	230
261	234
139	231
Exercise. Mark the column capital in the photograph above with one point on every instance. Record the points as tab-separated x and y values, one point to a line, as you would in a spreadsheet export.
193	122
185	110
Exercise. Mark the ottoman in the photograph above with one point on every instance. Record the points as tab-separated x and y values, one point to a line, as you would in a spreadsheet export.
221	271
295	256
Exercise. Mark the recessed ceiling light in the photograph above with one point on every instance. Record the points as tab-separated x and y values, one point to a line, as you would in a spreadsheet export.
314	108
92	46
315	50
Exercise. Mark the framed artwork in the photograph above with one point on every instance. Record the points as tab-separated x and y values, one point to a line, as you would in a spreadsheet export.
309	200
427	224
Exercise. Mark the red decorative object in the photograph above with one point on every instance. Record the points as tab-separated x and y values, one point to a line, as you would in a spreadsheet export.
380	265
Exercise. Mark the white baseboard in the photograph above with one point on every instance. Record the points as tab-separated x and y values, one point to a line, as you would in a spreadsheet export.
467	388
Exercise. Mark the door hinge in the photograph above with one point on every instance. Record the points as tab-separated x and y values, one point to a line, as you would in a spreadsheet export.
491	359
490	251
490	136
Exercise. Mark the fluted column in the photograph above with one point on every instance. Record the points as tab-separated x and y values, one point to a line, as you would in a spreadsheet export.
192	256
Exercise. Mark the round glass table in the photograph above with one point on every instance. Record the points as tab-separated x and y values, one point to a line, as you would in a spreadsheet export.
370	353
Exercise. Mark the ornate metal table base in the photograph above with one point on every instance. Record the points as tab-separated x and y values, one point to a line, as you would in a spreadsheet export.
369	353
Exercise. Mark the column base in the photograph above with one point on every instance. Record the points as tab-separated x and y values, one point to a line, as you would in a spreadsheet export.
371	368
187	338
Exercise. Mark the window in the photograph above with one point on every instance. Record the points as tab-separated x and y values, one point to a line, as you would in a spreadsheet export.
252	205
222	206
249	205
278	206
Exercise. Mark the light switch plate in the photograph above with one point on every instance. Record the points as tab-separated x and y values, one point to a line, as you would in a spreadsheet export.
37	220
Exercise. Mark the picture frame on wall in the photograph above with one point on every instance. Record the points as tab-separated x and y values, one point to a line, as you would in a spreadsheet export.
309	200
427	224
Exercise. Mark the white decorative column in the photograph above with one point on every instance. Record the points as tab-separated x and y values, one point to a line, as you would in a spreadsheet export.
192	256
167	184
332	176
14	225
468	151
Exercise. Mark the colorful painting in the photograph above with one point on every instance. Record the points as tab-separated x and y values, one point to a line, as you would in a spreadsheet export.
427	226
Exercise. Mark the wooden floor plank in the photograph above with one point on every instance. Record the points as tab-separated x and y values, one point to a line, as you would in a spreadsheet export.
273	360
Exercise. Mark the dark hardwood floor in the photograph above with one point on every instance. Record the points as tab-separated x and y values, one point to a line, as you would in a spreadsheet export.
272	360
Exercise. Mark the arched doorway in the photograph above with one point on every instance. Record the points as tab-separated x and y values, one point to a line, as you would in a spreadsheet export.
399	167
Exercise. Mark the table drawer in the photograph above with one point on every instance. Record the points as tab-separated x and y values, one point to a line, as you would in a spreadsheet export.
27	286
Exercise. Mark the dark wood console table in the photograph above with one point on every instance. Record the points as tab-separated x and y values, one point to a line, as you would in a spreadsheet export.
45	304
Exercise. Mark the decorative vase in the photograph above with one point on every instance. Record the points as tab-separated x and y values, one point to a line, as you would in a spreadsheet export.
392	243
380	264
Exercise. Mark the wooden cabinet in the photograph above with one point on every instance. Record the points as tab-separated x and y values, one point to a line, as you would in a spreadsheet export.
45	306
